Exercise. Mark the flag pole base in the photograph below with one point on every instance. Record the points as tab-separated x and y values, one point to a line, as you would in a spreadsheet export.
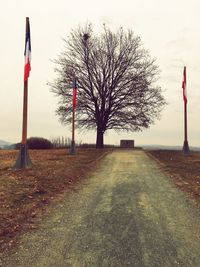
72	150
23	160
186	149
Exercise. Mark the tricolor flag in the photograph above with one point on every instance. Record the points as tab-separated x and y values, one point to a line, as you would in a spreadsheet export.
74	93
184	85
27	51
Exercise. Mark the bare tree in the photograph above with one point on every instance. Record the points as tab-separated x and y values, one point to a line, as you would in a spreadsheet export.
116	82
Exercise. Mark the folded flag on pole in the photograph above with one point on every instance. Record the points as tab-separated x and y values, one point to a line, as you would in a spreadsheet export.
184	85
27	51
74	93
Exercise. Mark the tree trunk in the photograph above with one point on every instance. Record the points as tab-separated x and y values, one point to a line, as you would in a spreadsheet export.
99	142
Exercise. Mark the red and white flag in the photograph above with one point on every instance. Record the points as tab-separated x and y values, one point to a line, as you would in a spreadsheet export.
27	51
74	93
184	85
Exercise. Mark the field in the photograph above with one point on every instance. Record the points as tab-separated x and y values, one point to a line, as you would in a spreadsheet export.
184	171
25	193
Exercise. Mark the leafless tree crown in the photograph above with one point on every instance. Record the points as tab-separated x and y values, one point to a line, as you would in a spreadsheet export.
116	81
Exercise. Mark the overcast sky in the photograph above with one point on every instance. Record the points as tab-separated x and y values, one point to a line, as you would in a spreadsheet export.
170	30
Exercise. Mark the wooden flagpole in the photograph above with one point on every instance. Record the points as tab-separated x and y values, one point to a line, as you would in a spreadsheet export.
186	149
25	114
73	146
23	160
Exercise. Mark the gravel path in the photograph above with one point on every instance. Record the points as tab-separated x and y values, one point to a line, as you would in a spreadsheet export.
127	214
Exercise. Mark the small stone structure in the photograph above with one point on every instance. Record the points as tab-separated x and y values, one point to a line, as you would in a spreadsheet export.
127	143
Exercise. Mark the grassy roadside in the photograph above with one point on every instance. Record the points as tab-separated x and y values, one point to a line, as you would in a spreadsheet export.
183	170
25	193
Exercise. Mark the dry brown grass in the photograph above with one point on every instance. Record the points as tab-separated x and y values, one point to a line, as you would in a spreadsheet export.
25	193
183	170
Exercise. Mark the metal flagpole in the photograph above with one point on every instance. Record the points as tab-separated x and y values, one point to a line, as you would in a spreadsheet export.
23	160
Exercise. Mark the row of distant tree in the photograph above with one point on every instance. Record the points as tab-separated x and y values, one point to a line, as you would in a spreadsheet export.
54	142
43	143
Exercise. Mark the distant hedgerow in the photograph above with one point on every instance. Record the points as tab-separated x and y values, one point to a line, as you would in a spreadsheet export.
37	143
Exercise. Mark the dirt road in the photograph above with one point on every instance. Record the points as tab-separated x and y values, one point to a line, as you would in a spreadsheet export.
127	214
